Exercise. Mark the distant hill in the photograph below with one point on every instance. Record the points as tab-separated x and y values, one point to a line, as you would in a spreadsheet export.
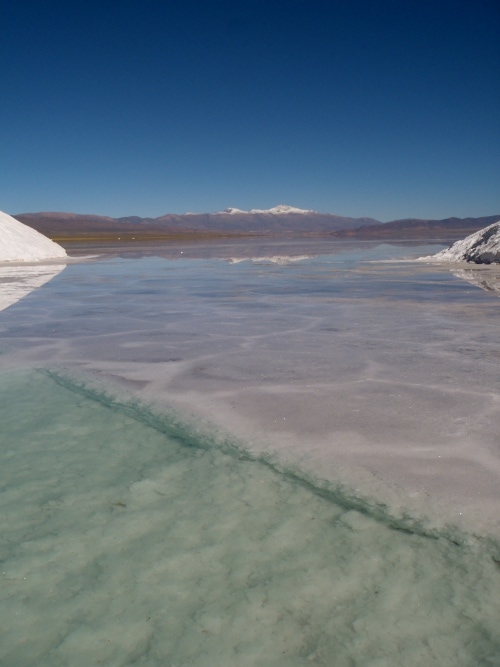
279	221
418	228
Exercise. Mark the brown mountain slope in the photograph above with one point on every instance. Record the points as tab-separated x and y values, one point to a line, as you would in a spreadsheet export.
71	225
61	226
417	228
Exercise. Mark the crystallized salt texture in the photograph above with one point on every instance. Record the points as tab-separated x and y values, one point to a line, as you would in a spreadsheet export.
482	247
20	243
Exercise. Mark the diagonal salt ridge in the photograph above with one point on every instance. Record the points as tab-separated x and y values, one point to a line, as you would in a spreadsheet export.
191	436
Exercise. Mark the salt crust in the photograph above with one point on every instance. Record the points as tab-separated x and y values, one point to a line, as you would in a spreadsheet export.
380	375
125	545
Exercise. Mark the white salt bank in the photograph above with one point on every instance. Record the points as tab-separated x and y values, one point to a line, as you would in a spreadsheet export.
482	247
20	243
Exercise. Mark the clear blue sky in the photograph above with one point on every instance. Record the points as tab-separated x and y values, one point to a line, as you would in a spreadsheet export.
143	107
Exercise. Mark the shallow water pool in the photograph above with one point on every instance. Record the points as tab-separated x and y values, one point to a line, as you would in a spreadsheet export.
128	538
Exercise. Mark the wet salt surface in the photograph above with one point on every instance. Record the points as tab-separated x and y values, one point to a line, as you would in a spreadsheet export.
130	540
358	371
375	381
18	280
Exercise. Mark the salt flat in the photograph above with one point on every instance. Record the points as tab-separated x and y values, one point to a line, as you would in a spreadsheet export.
254	461
128	538
380	374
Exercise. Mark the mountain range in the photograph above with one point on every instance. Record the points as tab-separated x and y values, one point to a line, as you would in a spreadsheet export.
281	220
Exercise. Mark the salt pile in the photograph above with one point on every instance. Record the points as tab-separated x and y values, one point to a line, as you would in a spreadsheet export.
20	243
482	247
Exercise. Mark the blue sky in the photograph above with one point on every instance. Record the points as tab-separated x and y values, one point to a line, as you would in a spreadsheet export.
385	108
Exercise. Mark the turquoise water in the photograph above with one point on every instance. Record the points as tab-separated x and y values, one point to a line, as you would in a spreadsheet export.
129	539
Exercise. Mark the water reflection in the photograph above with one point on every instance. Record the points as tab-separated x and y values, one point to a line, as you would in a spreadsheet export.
487	279
235	250
18	281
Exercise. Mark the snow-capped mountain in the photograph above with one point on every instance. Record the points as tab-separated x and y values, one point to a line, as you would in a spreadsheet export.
276	210
230	211
282	209
20	243
482	247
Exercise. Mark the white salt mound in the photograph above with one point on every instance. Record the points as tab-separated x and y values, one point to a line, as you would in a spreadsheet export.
20	243
482	247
